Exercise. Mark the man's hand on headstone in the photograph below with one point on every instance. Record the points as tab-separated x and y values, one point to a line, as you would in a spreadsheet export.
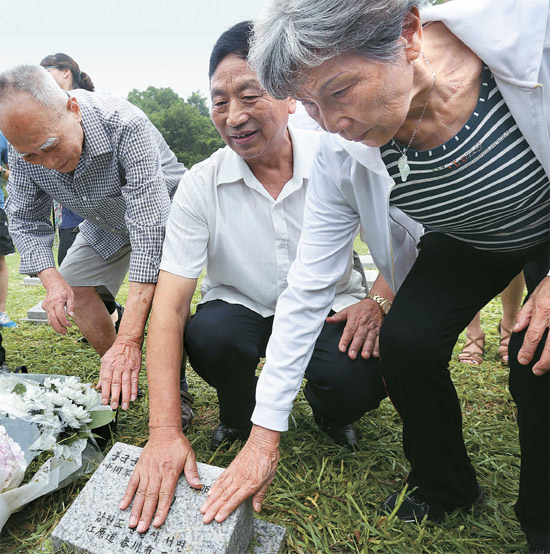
119	373
363	321
535	316
250	473
155	476
59	301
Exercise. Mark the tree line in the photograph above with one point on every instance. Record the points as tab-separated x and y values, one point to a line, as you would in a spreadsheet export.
185	124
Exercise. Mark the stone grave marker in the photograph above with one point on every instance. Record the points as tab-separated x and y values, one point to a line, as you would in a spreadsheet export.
33	281
369	266
95	525
37	314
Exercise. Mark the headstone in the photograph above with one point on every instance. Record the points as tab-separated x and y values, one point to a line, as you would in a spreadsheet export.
367	261
37	314
371	276
371	273
32	280
95	525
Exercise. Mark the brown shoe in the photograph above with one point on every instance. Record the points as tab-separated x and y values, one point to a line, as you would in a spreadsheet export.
473	351
186	403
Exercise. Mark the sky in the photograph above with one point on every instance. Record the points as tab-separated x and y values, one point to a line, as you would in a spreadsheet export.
124	44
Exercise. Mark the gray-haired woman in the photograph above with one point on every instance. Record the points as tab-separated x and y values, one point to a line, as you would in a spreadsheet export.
446	116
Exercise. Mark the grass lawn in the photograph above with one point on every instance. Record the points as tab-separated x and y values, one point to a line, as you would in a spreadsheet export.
327	497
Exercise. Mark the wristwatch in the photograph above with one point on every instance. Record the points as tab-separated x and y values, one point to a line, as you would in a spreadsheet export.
384	304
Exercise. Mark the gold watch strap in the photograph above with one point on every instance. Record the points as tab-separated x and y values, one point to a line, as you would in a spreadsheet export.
384	304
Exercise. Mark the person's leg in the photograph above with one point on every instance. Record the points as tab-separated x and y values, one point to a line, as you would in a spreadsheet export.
532	395
66	240
6	247
224	343
2	353
340	390
3	283
93	319
511	298
434	304
473	350
94	279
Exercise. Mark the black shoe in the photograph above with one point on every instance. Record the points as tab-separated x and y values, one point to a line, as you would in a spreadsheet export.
119	311
539	543
414	509
228	434
344	435
186	403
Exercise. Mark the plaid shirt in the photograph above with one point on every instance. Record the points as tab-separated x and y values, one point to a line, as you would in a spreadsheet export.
123	186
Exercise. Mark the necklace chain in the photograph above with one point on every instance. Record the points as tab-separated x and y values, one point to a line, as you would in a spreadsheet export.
402	163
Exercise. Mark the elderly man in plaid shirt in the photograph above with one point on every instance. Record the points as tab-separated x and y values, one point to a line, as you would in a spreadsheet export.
103	159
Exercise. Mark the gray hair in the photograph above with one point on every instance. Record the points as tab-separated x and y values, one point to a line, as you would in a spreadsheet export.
296	35
36	82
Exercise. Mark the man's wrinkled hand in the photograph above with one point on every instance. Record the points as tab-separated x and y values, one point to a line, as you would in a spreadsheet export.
363	321
59	295
535	317
250	474
120	367
155	477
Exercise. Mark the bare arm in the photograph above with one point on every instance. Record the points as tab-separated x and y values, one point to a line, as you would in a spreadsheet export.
168	451
121	364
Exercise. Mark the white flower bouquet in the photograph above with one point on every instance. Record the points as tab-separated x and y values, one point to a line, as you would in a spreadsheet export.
50	418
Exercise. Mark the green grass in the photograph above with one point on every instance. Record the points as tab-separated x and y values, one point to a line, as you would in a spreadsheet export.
327	497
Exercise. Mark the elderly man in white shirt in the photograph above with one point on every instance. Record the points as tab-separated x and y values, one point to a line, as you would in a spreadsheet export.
240	214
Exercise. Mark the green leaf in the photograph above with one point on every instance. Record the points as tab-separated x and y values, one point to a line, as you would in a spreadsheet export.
20	388
100	418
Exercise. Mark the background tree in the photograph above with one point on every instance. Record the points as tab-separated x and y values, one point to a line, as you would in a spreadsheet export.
185	125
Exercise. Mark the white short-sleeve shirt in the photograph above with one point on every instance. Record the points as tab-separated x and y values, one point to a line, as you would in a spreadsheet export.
223	219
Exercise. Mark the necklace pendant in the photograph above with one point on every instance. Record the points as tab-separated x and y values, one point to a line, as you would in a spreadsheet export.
403	166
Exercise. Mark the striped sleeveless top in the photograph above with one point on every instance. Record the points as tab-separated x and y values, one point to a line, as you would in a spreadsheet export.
484	186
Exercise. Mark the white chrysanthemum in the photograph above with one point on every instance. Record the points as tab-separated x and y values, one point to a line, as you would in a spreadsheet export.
73	394
92	399
12	404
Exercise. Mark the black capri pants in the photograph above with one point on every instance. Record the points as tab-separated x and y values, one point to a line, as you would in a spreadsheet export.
449	283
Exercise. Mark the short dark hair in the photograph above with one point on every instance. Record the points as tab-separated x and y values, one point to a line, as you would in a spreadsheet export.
233	41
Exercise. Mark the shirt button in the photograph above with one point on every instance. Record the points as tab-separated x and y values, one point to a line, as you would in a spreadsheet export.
281	245
284	285
97	218
84	198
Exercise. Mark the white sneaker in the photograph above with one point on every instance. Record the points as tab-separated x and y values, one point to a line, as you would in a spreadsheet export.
5	321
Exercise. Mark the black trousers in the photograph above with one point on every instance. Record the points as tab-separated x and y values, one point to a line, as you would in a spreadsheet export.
2	352
449	283
225	342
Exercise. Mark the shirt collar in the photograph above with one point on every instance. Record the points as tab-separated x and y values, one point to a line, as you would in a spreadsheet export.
234	168
96	140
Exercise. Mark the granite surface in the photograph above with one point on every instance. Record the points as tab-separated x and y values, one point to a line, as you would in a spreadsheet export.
37	314
32	280
95	525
